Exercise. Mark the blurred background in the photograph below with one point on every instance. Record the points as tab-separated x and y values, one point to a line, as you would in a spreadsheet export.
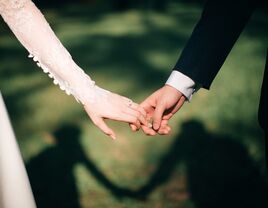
214	156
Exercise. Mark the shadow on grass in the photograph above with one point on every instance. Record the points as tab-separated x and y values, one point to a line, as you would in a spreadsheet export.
51	173
219	170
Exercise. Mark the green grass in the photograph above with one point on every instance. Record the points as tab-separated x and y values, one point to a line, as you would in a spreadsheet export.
132	53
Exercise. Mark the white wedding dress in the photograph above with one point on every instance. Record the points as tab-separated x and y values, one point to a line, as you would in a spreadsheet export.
15	189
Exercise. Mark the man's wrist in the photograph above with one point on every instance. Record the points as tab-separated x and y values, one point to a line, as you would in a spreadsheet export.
182	83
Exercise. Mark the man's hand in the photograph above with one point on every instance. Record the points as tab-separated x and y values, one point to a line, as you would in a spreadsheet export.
160	107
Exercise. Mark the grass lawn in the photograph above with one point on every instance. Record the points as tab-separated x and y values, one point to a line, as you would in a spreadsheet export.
215	143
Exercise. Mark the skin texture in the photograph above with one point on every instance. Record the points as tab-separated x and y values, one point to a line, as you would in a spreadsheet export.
160	107
116	108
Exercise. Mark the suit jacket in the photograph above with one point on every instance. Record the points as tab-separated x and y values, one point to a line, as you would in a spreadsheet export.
212	39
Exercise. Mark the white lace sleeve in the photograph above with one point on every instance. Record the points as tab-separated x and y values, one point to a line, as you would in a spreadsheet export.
35	34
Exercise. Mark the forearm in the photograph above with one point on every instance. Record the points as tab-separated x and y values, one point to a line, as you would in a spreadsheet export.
35	34
219	27
32	30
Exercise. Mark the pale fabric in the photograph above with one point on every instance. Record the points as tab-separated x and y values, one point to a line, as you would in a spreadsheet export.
35	34
182	83
15	190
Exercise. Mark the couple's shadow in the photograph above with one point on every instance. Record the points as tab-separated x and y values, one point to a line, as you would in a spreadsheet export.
220	173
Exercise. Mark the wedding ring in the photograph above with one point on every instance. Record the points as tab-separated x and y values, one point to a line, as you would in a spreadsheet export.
130	102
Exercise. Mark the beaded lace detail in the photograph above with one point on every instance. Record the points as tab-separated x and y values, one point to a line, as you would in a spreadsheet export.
35	34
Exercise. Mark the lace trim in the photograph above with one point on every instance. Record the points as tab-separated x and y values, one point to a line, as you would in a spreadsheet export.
64	85
11	4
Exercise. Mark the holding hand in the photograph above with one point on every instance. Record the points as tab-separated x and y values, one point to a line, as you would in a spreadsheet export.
115	107
160	107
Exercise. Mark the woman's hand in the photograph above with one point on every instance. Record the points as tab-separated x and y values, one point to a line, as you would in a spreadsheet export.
115	107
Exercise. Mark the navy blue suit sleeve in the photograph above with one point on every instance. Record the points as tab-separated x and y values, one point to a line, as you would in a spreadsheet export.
212	39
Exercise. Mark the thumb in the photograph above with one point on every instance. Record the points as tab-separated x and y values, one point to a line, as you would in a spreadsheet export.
158	113
99	122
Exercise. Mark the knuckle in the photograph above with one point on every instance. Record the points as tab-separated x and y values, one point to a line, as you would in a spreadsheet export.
133	120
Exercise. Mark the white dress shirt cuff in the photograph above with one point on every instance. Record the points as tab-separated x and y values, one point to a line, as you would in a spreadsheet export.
182	83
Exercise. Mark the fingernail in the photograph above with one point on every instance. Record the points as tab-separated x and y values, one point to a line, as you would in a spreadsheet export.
156	126
113	137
